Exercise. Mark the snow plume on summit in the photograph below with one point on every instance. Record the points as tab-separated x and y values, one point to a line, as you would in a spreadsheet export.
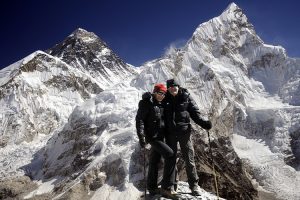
178	44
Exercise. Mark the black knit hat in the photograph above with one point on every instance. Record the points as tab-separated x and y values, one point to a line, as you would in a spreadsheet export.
171	82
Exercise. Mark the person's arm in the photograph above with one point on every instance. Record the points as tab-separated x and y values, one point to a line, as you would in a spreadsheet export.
140	122
196	116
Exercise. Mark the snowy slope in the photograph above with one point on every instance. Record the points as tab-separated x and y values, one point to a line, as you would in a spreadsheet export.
37	99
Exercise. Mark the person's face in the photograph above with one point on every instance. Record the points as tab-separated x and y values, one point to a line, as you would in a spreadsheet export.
173	90
159	96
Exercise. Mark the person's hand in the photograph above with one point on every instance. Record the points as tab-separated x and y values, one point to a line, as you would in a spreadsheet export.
206	125
142	143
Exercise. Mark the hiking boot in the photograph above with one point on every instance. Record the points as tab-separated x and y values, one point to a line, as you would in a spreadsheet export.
169	193
154	191
196	190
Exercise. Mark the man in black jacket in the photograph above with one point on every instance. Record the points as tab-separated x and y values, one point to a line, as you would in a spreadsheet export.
179	108
150	126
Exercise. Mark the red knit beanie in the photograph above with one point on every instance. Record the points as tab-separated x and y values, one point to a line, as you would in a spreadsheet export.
160	88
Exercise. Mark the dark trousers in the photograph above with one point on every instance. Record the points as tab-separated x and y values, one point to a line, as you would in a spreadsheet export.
160	149
188	153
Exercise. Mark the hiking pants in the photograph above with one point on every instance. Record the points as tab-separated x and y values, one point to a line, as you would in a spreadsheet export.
160	149
188	153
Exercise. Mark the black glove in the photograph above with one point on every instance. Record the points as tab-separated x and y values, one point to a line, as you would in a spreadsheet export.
142	143
206	125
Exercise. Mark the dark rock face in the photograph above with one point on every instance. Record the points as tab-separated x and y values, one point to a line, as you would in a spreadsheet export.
76	157
233	179
115	171
265	68
84	87
279	75
16	187
294	160
260	129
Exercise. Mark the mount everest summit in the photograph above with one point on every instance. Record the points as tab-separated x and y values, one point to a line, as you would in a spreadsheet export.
67	116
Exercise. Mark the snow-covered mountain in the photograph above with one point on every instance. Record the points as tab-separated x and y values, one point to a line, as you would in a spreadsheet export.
250	91
39	92
81	133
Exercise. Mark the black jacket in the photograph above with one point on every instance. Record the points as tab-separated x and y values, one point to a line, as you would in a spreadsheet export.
179	110
150	119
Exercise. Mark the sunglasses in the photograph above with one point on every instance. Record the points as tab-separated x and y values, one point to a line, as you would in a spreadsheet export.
161	93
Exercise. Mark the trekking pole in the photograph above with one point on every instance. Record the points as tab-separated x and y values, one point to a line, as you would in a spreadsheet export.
145	177
213	166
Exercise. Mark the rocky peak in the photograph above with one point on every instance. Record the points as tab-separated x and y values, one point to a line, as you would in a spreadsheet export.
81	33
232	8
87	52
79	39
224	35
232	14
86	38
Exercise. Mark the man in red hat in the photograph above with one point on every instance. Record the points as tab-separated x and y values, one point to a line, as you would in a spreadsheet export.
150	127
